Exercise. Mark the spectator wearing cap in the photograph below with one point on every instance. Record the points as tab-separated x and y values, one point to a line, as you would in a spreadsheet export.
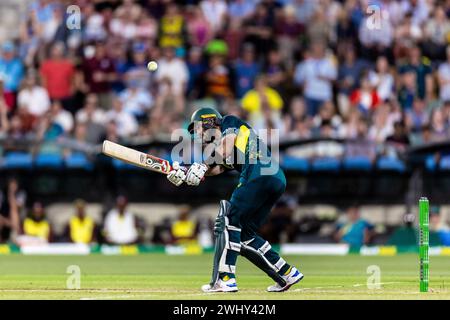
81	227
316	74
136	71
57	75
99	74
245	71
11	73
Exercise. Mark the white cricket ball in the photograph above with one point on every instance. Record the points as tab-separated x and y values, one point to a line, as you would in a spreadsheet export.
152	66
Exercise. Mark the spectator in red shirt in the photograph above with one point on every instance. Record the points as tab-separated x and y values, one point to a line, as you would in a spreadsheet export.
99	73
57	76
365	98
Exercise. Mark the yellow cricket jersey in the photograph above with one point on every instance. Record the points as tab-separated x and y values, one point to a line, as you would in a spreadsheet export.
183	229
171	31
81	230
40	229
251	101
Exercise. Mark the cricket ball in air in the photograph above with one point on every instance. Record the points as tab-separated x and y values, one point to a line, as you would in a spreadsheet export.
152	66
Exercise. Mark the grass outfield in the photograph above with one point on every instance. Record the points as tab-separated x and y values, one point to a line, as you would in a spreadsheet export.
158	276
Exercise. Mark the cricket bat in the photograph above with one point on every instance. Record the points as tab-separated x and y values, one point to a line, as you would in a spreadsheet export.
135	157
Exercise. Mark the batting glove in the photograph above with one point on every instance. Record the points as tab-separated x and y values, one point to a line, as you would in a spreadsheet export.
196	173
177	175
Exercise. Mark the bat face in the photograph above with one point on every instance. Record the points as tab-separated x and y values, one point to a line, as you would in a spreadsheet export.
155	163
136	158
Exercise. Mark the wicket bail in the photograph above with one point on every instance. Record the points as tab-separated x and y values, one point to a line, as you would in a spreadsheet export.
424	243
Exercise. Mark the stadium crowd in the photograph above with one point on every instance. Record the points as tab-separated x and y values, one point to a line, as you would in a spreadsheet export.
310	68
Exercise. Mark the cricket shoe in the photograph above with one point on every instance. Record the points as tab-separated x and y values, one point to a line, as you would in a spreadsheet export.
291	278
221	286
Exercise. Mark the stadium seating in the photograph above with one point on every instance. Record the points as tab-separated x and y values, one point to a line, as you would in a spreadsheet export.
357	163
18	160
391	164
49	160
78	161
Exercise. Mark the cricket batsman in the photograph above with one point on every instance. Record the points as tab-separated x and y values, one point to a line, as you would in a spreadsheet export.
235	145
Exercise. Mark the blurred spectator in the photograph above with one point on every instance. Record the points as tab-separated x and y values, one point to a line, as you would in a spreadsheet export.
289	31
4	121
61	117
99	74
296	122
375	41
382	79
135	72
439	128
259	29
417	117
438	228
136	100
125	122
276	71
33	97
280	227
444	78
354	231
36	224
349	74
174	69
58	75
315	74
218	79
327	115
264	105
245	71
11	73
12	202
81	227
120	226
184	229
399	138
198	28
436	33
196	69
241	9
214	11
172	28
365	98
421	66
